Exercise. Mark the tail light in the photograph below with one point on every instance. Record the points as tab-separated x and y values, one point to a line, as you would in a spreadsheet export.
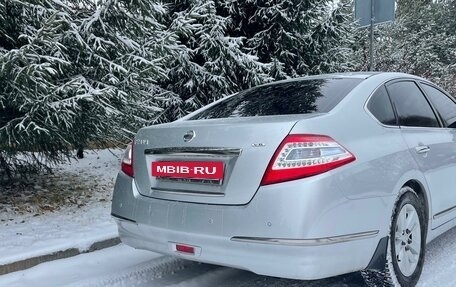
127	161
300	156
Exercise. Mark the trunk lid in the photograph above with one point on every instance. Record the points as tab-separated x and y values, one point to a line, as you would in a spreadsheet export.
244	146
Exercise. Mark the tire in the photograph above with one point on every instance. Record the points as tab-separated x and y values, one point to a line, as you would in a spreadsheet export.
408	228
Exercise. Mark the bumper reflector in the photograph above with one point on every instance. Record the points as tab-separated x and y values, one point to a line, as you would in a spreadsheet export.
185	249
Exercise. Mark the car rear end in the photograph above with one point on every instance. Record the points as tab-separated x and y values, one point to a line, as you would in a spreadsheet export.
252	183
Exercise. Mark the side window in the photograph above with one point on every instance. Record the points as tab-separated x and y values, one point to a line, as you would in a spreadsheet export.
380	106
443	104
412	107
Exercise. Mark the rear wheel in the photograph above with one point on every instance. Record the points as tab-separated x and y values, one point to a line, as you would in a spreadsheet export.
406	244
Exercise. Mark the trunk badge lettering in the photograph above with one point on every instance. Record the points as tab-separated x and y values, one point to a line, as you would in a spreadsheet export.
189	136
142	141
258	145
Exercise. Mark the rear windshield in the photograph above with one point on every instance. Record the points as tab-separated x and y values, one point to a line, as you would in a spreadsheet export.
293	97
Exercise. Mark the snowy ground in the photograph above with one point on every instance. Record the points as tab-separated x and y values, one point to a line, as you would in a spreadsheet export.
72	209
123	266
66	209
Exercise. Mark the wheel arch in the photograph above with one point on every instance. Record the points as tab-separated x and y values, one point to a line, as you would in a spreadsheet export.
379	257
416	180
423	195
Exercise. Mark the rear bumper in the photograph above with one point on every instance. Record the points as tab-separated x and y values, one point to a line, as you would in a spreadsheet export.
280	260
310	234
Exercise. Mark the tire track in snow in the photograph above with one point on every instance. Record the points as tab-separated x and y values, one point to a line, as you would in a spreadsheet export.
142	273
208	279
167	271
248	279
173	272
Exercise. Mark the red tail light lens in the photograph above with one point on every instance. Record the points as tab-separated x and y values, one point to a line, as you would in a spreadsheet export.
300	156
127	161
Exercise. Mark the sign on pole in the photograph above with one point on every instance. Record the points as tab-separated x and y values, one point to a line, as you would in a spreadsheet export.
370	13
383	11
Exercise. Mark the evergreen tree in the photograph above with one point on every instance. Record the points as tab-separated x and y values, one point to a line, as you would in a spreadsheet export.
228	45
73	72
299	37
408	8
211	63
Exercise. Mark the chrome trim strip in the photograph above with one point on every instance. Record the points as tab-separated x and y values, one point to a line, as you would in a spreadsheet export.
444	212
191	180
446	222
423	128
194	151
307	242
183	192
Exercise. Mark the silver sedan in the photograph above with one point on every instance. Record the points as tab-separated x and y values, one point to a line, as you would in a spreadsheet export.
305	178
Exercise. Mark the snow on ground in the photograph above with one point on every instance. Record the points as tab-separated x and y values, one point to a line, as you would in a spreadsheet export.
66	209
124	266
440	262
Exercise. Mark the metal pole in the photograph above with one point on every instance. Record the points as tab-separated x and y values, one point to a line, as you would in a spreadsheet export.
371	47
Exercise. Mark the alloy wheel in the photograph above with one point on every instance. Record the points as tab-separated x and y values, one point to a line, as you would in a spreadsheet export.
407	240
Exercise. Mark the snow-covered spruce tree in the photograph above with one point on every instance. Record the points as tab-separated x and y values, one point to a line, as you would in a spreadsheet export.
211	63
127	52
422	41
299	37
29	62
73	72
231	45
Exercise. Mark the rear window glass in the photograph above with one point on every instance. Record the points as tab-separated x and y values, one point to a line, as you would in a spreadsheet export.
293	97
380	106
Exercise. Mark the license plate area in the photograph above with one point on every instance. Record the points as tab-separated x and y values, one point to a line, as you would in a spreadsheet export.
201	172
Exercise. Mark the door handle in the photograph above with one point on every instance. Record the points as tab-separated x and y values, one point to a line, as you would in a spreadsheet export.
422	149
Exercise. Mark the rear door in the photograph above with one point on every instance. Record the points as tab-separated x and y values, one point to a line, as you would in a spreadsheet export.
430	143
446	109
